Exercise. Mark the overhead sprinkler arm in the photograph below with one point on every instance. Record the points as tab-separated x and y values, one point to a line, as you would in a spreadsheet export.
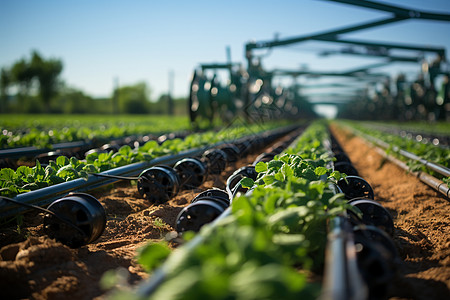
387	46
374	52
399	14
406	13
359	72
322	35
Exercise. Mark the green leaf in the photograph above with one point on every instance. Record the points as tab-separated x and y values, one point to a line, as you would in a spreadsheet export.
30	186
67	172
152	255
125	150
247	182
62	161
279	176
309	174
24	171
287	171
320	171
274	165
55	179
150	145
38	165
91	157
90	168
83	174
261	167
268	179
7	174
53	165
102	157
74	161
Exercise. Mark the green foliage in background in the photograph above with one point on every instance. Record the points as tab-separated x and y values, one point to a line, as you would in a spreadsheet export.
43	130
34	85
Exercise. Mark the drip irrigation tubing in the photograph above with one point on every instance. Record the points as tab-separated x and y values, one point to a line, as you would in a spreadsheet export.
41	209
437	139
342	278
426	178
430	165
33	151
159	276
45	196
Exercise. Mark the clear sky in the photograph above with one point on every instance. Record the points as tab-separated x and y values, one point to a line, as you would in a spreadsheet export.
134	41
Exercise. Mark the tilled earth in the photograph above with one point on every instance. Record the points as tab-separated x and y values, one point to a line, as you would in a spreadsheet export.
35	267
421	219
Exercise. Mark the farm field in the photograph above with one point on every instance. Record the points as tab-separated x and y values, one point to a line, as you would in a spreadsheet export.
132	222
42	131
137	161
421	219
41	268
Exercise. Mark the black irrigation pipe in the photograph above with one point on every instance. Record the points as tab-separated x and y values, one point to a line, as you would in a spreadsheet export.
31	151
34	151
430	165
45	196
426	178
342	278
438	140
148	287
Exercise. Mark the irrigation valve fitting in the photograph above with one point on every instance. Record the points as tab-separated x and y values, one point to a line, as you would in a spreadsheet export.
204	208
158	184
232	151
216	160
192	172
78	219
374	214
354	187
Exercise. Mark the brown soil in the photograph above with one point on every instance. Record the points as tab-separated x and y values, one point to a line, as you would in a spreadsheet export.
35	267
421	219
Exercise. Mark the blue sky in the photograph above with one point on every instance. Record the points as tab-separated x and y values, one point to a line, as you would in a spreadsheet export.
134	41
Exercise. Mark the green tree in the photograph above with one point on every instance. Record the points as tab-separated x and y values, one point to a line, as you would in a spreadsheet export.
39	72
22	75
47	73
134	99
5	81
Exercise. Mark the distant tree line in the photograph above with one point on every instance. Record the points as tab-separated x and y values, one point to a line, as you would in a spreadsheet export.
34	85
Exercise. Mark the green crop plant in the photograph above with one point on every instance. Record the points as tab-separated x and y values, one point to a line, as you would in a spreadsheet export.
64	169
272	232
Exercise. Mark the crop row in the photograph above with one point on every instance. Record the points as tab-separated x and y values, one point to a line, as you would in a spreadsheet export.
439	128
429	152
273	231
64	169
43	131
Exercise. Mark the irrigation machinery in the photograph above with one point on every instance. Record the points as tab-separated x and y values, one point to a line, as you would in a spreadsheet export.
249	89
